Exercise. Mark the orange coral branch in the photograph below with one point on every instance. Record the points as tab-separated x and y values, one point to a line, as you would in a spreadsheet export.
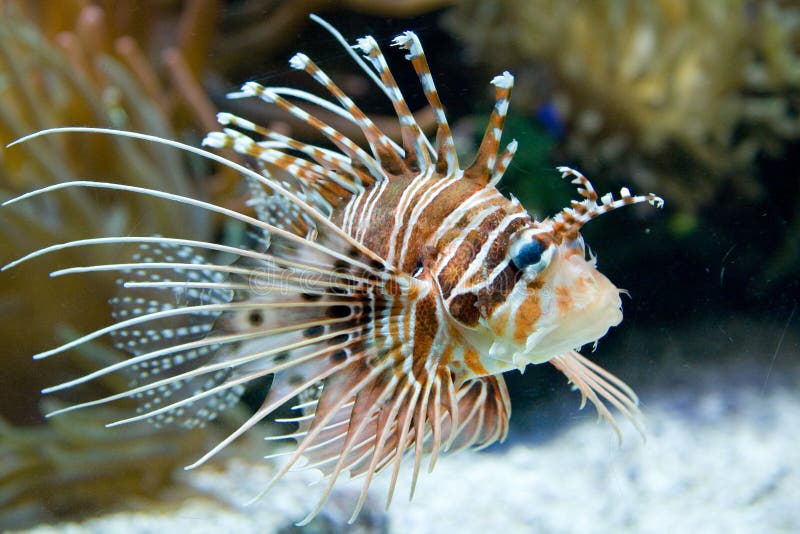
198	21
132	55
189	89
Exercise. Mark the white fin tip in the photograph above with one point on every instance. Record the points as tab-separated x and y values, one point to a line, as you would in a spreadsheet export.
503	81
248	90
409	41
298	61
403	39
365	44
215	140
224	118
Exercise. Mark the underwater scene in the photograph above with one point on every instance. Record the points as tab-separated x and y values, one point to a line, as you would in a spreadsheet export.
332	266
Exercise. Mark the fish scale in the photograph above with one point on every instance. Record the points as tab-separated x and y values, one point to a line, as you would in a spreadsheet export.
386	288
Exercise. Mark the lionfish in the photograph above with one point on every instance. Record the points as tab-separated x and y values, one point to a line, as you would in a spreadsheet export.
384	288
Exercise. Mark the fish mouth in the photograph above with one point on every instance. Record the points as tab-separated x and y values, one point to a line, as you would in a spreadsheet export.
594	310
578	305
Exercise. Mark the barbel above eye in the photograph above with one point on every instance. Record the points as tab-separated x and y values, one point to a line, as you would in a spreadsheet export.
530	254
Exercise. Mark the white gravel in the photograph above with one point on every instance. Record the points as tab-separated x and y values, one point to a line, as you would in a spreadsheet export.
730	465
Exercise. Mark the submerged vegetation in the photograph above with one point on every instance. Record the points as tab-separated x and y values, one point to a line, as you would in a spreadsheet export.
113	65
695	100
83	74
691	98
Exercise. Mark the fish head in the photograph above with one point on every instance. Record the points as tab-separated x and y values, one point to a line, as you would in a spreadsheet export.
548	300
559	300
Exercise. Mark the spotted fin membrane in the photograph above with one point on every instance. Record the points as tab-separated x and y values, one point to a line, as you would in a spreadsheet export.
136	302
310	303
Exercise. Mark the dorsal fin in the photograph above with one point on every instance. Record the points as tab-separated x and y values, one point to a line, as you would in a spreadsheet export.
446	159
332	177
487	168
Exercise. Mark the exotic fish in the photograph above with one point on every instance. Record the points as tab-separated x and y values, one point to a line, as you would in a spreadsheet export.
384	287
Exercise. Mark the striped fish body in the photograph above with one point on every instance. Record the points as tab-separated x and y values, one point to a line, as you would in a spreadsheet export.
386	288
451	235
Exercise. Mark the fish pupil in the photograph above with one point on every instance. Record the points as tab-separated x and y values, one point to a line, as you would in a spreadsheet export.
529	254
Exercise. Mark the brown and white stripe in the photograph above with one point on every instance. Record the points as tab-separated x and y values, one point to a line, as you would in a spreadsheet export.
378	278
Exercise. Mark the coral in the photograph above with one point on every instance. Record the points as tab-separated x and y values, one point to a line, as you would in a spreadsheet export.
679	96
259	28
76	467
84	74
41	86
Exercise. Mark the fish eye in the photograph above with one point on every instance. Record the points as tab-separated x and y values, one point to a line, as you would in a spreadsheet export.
530	254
